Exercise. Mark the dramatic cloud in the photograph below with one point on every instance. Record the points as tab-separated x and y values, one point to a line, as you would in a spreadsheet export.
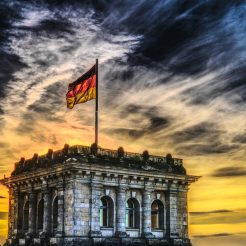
218	217
171	80
229	172
240	138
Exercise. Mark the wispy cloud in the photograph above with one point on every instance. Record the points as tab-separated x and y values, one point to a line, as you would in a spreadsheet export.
229	172
214	235
3	215
222	216
171	79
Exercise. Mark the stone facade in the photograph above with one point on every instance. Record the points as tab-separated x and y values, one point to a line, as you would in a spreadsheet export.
93	196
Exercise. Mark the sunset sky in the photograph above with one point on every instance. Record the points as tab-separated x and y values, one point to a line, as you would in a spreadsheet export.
172	79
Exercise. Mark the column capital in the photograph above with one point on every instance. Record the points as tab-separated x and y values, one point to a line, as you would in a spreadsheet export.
16	190
32	196
46	190
122	187
60	186
96	185
148	190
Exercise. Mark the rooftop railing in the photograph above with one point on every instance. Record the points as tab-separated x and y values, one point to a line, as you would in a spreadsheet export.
99	155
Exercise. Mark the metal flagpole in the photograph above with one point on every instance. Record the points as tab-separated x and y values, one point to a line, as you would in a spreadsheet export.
96	111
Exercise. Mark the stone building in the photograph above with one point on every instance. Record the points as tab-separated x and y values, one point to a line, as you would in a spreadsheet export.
92	196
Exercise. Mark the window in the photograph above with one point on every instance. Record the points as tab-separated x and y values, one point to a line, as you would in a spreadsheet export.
40	214
26	216
157	215
55	214
106	212
132	213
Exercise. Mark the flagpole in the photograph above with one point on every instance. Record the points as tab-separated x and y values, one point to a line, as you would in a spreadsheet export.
96	104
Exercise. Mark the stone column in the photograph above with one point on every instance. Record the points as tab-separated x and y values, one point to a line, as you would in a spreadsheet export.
18	215
32	213
95	209
121	211
47	212
171	213
11	216
60	219
183	212
146	214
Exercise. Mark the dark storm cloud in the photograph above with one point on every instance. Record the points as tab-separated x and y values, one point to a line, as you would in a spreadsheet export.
158	123
50	102
232	81
138	114
9	64
8	12
146	112
230	172
205	131
216	147
188	38
201	139
240	138
133	134
155	124
53	26
169	28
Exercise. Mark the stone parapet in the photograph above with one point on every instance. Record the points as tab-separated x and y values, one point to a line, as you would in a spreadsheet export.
101	156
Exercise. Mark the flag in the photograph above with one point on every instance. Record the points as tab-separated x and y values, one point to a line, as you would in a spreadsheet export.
83	89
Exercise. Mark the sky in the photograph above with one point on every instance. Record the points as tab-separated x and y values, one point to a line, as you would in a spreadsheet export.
171	80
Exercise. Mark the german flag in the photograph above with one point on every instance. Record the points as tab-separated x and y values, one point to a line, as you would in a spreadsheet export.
83	89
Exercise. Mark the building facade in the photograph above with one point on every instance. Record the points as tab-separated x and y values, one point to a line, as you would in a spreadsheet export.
92	196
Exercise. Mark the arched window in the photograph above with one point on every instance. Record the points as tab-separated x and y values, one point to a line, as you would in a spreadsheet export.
157	215
55	214
106	212
132	213
40	214
26	216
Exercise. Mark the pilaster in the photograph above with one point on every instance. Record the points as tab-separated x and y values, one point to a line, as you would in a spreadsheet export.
146	212
47	212
11	219
121	211
60	219
172	211
182	212
95	209
18	215
32	212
